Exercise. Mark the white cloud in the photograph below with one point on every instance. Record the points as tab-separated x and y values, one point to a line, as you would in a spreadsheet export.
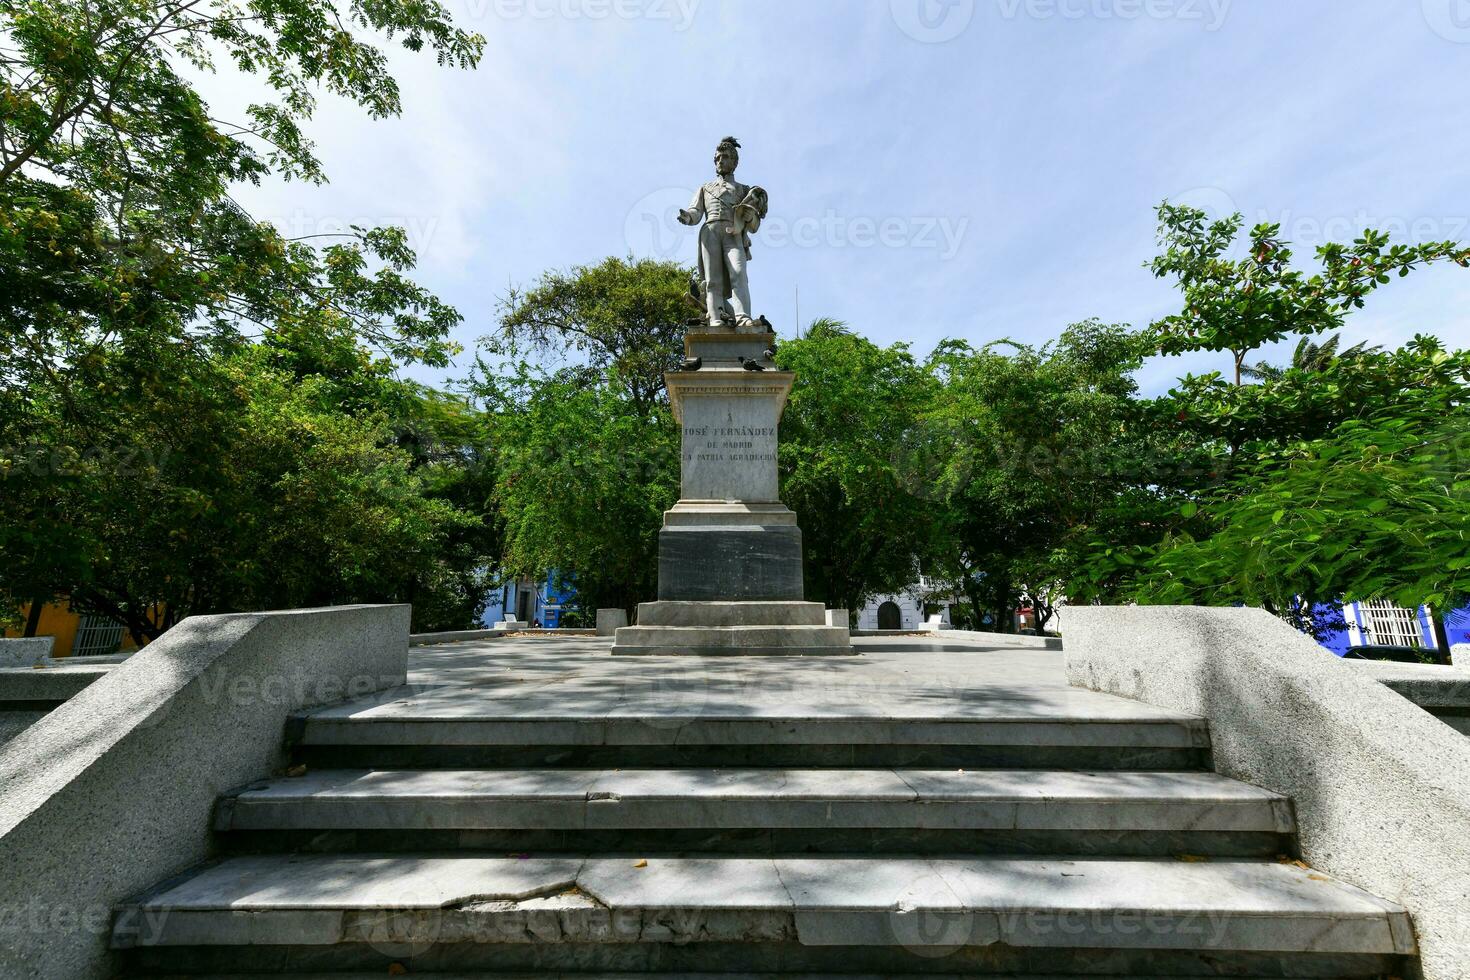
1051	137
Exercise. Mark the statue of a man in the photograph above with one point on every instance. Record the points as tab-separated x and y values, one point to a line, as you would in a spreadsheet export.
731	212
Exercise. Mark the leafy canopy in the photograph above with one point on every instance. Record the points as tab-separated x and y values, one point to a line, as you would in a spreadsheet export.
625	319
183	390
1239	304
1036	447
865	525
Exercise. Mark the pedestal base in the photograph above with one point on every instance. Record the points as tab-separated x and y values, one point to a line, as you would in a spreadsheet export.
743	564
712	551
732	629
729	554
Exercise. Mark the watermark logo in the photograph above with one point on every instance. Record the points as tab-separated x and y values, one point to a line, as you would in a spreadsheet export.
1208	14
1307	229
678	13
409	929
328	229
941	234
1214	202
652	229
667	698
932	21
928	920
1450	19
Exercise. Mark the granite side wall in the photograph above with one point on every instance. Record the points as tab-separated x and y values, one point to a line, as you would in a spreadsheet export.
1382	788
112	792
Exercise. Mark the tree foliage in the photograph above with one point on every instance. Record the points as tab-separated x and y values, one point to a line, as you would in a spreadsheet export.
1351	483
1310	356
624	319
865	524
256	480
1239	304
1039	446
584	476
1018	473
1339	477
589	452
189	415
118	223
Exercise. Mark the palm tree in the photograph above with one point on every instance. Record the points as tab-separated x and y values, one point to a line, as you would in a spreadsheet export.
1309	356
826	326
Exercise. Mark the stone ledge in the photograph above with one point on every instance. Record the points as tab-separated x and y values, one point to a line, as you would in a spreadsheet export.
1429	686
58	682
121	779
989	641
672	612
757	641
452	636
26	651
823	901
1382	788
919	799
691	720
731	513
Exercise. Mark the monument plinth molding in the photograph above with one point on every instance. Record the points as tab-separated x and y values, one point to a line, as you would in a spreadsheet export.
729	554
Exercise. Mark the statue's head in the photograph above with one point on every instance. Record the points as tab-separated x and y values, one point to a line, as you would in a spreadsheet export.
727	156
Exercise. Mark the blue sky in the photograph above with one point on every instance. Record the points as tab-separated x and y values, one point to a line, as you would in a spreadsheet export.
936	168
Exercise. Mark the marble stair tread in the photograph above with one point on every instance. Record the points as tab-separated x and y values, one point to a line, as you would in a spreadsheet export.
735	640
675	613
695	728
315	900
996	799
681	691
583	975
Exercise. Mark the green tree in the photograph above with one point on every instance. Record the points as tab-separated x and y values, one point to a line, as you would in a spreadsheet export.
259	480
118	226
451	445
588	452
1374	506
1336	477
625	320
1309	356
136	289
1039	449
1237	305
845	440
584	474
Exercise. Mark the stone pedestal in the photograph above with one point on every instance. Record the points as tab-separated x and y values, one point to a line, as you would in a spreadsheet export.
729	554
26	652
609	621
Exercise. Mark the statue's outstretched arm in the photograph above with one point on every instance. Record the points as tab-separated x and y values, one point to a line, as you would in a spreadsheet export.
695	210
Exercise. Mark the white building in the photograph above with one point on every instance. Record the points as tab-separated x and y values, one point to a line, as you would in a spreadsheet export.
903	610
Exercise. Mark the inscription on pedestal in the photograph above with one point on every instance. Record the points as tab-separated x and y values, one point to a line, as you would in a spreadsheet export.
737	444
729	447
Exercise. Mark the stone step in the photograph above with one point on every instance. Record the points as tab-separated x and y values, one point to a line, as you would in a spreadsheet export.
734	641
805	914
762	811
598	975
673	613
704	727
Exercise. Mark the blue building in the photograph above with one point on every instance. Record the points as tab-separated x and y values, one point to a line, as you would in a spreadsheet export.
531	601
1381	623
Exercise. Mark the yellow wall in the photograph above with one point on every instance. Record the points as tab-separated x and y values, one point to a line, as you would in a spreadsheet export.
59	621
